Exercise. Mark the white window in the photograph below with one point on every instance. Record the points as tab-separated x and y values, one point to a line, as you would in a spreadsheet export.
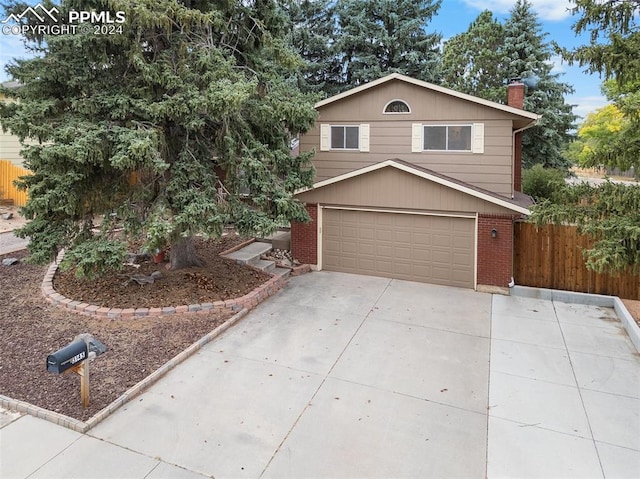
344	137
448	138
395	107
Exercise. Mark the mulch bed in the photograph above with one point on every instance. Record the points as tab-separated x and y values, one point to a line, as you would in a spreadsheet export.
30	328
219	279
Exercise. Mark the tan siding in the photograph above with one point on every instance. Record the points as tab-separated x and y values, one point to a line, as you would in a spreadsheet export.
10	148
425	105
394	189
391	138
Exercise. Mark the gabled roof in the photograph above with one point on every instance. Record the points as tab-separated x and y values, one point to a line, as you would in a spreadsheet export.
432	87
516	205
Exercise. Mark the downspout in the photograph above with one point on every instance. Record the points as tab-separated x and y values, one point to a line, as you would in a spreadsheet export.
513	153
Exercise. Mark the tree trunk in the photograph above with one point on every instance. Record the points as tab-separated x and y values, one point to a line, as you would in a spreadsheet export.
183	254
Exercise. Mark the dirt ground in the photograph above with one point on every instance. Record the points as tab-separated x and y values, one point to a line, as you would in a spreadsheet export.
634	309
30	329
16	221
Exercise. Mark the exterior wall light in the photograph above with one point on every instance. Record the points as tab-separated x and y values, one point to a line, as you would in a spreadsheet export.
494	233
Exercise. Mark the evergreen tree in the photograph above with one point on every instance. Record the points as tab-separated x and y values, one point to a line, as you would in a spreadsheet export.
312	34
161	129
526	54
378	37
472	61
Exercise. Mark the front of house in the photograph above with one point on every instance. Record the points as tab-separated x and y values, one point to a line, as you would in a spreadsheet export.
416	182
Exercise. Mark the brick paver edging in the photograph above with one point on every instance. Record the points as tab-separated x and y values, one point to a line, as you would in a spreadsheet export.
132	392
248	301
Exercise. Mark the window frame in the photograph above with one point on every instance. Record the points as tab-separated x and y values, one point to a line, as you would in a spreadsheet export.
332	148
447	126
385	112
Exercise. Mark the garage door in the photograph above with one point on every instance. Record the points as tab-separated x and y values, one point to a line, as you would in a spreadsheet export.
430	249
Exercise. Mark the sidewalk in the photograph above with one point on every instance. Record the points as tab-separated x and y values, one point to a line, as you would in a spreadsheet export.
9	243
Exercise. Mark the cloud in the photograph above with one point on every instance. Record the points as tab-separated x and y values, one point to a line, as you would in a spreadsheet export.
586	104
546	9
557	64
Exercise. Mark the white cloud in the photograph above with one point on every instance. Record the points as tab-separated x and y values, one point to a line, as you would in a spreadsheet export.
546	9
586	104
557	64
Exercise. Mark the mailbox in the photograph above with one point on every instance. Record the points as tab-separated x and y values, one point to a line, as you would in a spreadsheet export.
67	357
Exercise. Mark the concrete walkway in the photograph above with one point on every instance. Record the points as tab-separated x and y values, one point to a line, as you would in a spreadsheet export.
10	243
344	376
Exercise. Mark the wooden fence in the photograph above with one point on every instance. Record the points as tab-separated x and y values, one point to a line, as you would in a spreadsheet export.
551	257
8	173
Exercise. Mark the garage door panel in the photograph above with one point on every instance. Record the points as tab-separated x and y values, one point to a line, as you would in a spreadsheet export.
405	246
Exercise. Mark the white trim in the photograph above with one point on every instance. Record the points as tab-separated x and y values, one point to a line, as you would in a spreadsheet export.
319	239
332	126
447	125
384	112
402	212
429	86
477	138
325	137
475	266
417	138
422	174
364	137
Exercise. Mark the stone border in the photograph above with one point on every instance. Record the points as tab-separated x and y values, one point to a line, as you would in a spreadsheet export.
132	392
248	301
589	299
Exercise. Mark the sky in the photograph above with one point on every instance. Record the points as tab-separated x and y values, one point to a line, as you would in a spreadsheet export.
454	17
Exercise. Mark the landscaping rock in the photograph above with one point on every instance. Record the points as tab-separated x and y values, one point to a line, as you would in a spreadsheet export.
10	261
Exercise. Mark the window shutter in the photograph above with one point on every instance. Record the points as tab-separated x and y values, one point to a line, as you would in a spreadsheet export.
416	138
364	137
477	143
325	134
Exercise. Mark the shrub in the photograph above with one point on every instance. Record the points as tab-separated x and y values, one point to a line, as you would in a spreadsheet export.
542	183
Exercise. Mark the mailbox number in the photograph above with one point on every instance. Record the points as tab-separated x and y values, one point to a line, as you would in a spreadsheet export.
77	357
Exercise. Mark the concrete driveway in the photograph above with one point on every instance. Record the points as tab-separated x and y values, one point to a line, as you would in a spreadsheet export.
345	376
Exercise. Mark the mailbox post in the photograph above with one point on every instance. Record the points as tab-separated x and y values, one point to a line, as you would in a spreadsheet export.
75	358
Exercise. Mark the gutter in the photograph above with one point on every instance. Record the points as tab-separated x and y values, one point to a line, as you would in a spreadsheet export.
513	152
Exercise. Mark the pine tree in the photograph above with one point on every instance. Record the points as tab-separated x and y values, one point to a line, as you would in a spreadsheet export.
312	33
378	37
472	61
161	129
526	54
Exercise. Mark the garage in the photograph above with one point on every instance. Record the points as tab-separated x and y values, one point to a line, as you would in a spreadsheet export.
414	247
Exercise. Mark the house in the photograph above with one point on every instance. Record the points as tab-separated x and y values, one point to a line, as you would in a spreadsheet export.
415	181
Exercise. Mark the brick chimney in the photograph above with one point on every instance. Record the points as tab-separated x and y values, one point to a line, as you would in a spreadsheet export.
515	98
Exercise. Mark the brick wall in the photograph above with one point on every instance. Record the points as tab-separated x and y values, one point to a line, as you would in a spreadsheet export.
304	237
495	255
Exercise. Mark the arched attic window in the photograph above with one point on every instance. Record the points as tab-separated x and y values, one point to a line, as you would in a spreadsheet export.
396	107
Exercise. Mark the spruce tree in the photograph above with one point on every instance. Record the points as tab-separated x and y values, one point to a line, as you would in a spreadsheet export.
178	126
526	54
472	61
378	37
312	32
